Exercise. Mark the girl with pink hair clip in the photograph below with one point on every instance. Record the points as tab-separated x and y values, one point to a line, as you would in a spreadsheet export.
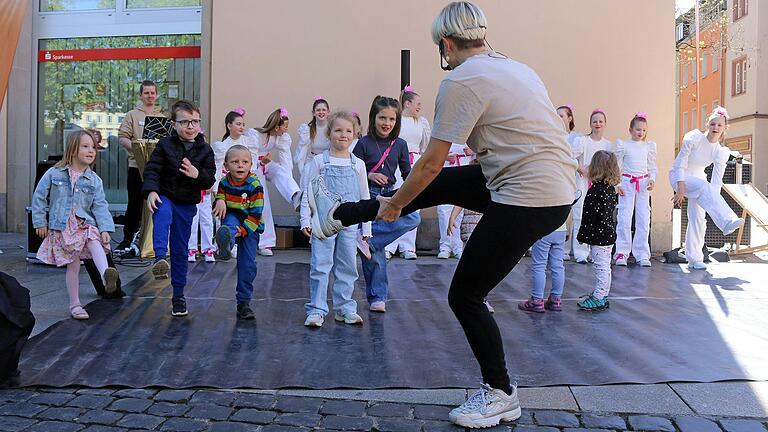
637	162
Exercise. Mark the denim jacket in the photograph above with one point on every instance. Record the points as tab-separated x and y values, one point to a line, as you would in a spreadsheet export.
54	195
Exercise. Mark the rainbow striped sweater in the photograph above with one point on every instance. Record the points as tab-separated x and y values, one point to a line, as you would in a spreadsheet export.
245	200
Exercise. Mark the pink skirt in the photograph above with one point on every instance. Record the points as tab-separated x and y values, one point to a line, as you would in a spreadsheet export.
63	247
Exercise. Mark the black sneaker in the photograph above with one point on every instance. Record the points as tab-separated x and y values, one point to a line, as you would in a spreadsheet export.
224	243
125	244
179	306
245	312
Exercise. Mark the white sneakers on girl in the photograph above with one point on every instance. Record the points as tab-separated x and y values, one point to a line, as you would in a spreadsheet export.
486	408
78	312
733	226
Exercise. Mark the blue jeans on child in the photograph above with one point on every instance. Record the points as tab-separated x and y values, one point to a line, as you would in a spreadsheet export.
384	233
175	219
246	258
549	249
337	253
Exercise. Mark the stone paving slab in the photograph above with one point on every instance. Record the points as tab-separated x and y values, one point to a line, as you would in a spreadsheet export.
738	399
433	397
553	398
647	399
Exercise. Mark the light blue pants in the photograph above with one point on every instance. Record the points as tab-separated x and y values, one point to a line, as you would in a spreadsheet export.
338	254
548	250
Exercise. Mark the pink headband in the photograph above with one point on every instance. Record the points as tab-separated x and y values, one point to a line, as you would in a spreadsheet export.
408	89
283	112
721	112
569	106
642	115
239	111
317	98
598	110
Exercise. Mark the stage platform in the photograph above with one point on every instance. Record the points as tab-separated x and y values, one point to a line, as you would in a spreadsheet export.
665	324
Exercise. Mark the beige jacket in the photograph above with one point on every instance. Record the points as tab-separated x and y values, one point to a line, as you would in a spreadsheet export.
132	127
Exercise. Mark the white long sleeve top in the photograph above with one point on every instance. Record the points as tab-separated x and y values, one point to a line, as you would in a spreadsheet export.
416	133
308	147
637	158
312	170
461	157
584	147
278	146
697	153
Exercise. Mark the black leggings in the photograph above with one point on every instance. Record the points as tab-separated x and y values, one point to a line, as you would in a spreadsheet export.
135	202
498	242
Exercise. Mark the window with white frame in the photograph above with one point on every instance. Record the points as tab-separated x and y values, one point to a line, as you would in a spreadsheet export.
739	76
715	59
694	71
694	119
686	124
685	75
704	115
740	9
704	65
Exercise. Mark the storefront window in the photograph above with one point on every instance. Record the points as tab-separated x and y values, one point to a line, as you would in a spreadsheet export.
92	82
139	4
75	5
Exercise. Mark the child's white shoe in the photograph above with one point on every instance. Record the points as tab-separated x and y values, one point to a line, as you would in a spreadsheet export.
486	408
645	263
314	320
192	255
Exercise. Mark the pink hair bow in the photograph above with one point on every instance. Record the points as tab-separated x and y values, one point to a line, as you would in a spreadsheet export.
317	98
408	89
569	106
721	111
239	111
598	110
642	115
354	113
283	112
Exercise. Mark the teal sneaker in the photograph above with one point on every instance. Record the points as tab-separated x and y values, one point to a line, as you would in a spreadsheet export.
593	304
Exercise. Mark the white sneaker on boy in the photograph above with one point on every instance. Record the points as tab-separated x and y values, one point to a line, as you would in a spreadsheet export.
486	408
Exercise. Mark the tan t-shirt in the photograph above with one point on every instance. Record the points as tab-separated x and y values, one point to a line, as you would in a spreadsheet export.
132	127
501	109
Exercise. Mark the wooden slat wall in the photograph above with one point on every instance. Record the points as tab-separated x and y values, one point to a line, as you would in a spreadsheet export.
11	18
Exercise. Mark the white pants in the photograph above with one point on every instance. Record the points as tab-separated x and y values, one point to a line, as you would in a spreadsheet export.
204	219
580	250
639	203
267	239
282	179
453	243
601	265
703	199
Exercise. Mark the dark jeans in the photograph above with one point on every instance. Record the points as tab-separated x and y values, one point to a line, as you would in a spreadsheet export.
135	201
498	242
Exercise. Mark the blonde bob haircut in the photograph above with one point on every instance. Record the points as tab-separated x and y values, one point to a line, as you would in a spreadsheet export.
73	147
344	115
604	167
462	21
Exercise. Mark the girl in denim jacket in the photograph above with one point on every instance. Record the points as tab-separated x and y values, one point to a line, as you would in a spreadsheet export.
78	222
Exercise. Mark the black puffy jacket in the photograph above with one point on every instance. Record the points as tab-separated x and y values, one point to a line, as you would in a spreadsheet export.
162	173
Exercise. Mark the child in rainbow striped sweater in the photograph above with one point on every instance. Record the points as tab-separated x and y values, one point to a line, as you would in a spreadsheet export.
239	204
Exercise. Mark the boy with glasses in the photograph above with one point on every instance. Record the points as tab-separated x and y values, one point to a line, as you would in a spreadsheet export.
181	166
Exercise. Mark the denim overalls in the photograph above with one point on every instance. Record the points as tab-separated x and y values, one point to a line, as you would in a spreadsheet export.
339	252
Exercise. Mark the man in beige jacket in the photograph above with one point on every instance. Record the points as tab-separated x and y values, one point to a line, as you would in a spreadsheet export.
131	130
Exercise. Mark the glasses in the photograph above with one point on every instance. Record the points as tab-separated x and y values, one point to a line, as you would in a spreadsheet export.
188	123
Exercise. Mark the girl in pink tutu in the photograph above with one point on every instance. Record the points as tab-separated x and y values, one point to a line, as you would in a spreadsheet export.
71	214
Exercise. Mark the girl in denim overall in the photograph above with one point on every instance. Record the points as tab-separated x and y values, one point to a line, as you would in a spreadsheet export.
344	175
78	222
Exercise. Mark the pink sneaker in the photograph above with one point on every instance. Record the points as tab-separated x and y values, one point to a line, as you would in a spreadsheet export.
553	303
192	255
363	247
209	256
532	305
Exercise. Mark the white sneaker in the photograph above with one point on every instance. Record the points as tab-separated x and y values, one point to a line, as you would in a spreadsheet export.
266	252
698	265
409	255
348	318
457	255
486	408
378	306
192	255
733	226
621	260
363	247
323	203
234	251
388	255
209	256
444	254
582	260
314	320
645	263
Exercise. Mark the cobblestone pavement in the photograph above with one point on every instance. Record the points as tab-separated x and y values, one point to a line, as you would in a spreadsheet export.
107	410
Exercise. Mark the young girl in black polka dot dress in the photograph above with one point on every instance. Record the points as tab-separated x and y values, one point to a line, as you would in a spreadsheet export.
598	226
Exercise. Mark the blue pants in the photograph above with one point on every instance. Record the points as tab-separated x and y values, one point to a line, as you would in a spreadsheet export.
246	258
176	219
337	254
549	249
384	233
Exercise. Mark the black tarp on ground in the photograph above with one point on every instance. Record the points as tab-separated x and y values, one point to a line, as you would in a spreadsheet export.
665	324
